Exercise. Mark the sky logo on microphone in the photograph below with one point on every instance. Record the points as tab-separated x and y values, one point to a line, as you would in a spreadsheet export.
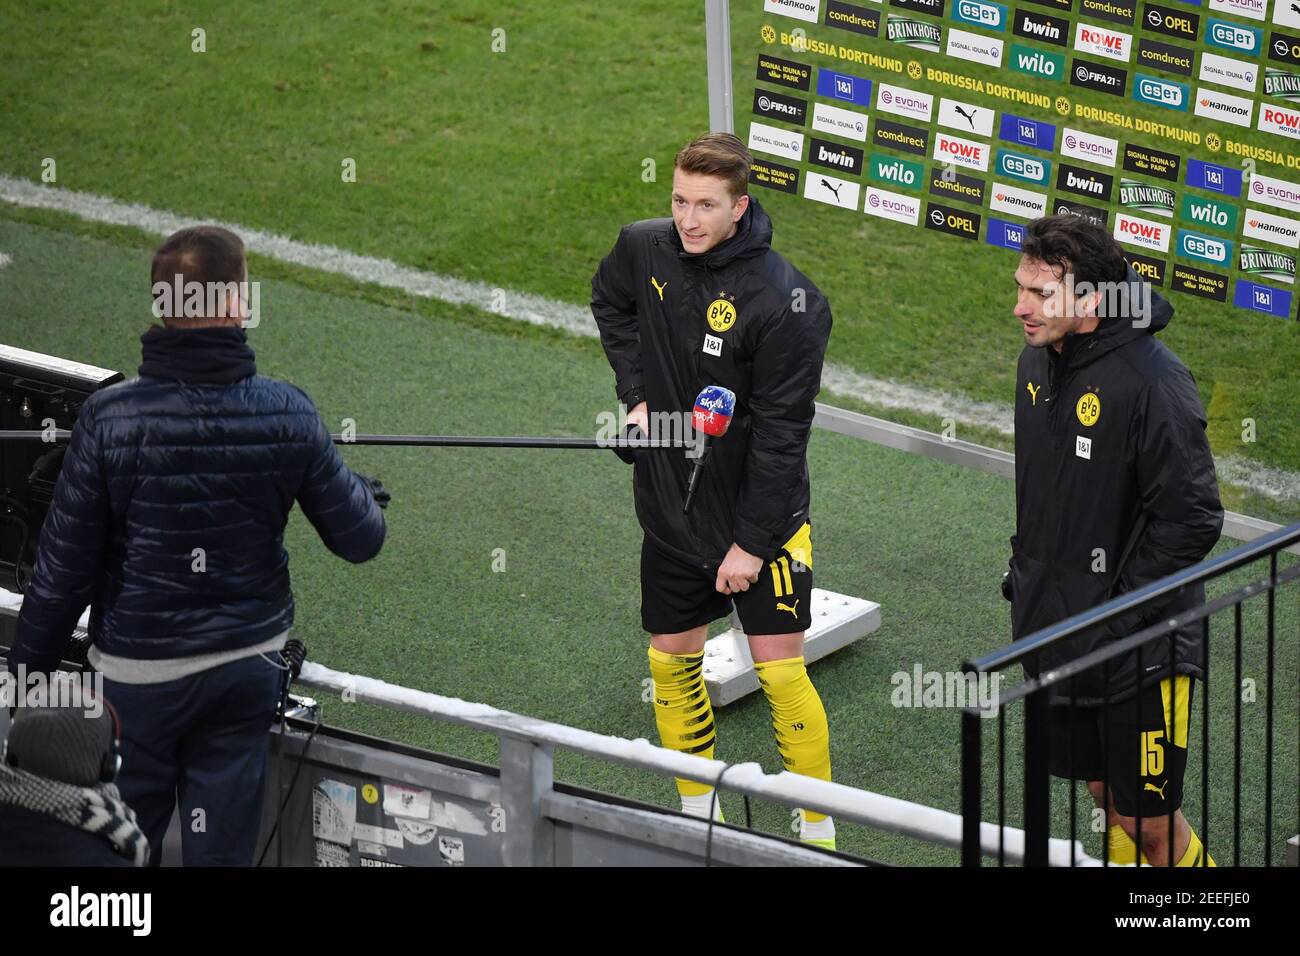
713	409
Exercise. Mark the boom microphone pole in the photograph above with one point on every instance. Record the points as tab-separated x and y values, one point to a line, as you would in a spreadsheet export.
431	441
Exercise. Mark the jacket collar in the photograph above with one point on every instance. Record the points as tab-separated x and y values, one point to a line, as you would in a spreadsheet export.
208	356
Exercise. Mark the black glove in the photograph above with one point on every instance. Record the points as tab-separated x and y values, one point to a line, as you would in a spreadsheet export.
633	431
382	497
1006	585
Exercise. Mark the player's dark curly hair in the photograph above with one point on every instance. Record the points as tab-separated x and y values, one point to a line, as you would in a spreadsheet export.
1073	244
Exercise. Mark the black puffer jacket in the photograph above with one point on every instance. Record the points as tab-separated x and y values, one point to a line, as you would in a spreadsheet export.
168	516
740	316
1115	489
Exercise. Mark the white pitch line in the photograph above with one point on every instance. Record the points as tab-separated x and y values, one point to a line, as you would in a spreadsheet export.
5	260
538	310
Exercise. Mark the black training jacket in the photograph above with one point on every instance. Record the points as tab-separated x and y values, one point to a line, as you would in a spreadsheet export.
1113	472
653	303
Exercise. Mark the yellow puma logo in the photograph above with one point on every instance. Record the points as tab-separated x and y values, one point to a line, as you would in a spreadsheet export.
1033	392
1159	790
794	611
658	288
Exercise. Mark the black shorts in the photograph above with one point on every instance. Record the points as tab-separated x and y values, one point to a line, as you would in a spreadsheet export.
1130	747
677	597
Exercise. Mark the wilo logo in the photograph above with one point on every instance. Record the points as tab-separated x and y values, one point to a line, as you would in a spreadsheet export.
946	689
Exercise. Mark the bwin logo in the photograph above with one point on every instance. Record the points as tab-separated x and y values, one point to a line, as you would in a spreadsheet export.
1158	92
835	159
1085	185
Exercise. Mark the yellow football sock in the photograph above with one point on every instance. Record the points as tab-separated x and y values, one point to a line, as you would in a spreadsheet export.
798	719
1193	855
682	710
1122	848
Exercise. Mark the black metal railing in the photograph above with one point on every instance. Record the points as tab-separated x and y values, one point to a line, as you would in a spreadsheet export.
1035	692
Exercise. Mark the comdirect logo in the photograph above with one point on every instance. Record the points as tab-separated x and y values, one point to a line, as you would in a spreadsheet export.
1148	89
1029	168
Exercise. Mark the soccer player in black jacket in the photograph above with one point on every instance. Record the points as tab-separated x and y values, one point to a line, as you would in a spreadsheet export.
702	299
1115	489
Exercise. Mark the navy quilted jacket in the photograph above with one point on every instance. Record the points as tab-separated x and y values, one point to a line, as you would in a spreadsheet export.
169	513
